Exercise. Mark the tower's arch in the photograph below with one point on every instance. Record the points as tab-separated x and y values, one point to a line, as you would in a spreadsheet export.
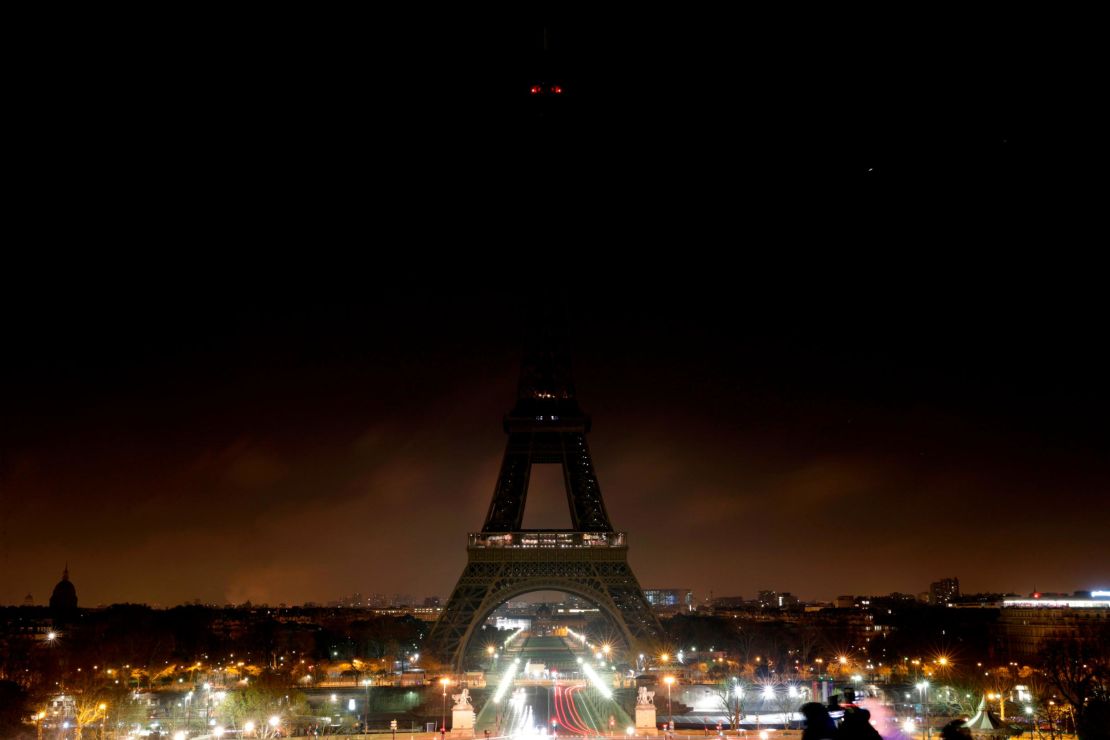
610	614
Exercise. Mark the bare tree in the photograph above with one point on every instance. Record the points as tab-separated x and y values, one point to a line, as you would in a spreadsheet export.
731	692
1077	665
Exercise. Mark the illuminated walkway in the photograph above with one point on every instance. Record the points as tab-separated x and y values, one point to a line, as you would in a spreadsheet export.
558	698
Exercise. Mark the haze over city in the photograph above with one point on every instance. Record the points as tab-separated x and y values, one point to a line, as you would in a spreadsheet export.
253	448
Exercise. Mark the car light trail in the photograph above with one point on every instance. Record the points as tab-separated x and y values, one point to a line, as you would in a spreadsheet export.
568	713
581	724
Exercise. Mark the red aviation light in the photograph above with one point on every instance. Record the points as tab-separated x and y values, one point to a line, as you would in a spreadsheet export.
536	90
557	90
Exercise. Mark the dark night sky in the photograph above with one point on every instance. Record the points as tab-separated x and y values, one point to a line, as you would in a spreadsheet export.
827	295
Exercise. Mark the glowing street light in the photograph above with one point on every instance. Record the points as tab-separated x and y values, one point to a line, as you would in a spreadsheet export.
923	687
444	682
738	693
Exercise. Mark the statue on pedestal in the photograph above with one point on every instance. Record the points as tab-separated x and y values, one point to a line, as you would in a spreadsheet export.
462	701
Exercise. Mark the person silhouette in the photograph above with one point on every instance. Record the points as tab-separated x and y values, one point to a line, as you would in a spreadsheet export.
856	725
819	725
955	730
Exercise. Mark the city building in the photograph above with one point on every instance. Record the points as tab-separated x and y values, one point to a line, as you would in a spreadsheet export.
1025	623
728	602
1077	600
944	591
671	598
64	598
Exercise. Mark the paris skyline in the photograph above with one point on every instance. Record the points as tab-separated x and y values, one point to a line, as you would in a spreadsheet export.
257	449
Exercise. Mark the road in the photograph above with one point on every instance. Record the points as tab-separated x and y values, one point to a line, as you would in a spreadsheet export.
557	699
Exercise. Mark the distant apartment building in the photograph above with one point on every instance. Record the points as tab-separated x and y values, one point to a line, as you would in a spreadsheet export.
1025	623
728	602
944	591
776	600
670	598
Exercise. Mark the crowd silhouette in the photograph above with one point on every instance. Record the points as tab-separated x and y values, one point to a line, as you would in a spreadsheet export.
855	723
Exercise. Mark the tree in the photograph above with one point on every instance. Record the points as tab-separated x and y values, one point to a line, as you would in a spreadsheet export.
809	637
731	693
88	709
1078	667
259	701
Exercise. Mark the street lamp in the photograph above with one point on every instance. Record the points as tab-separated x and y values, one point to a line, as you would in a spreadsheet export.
443	721
670	712
366	722
738	693
923	687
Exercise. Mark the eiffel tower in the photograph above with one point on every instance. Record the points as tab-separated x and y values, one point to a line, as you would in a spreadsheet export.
504	561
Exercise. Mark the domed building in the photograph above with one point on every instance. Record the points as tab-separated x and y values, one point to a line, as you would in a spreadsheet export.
64	598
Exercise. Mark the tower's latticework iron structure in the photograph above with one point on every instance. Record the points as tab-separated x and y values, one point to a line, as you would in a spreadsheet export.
504	560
